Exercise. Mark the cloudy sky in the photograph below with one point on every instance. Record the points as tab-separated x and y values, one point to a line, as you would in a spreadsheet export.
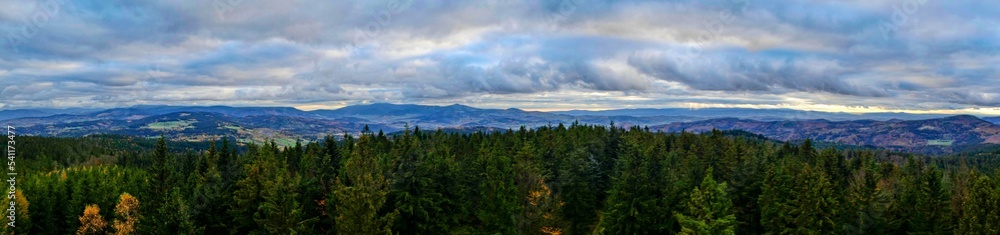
848	55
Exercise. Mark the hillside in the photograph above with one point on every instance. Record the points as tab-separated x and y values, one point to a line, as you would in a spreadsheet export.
995	120
931	135
286	125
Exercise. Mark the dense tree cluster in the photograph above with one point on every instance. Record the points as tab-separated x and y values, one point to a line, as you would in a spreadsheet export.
579	179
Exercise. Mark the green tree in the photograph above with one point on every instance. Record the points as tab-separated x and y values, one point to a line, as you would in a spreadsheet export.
249	194
314	192
281	212
930	215
498	198
579	189
797	199
540	208
415	193
178	216
980	214
634	203
209	200
161	170
865	205
362	193
709	210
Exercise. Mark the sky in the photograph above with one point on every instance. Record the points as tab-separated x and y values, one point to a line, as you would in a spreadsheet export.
920	56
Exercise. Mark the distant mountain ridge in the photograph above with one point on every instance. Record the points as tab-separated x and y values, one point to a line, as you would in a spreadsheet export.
388	109
932	134
756	114
26	113
908	135
995	120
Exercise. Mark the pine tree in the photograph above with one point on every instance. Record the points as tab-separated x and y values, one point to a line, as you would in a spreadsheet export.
414	193
312	193
709	210
866	204
981	213
797	199
498	199
281	212
209	199
815	206
362	193
540	209
293	157
250	190
579	190
931	209
332	162
161	185
634	205
177	215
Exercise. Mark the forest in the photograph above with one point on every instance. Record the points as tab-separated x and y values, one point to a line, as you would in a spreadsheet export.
572	179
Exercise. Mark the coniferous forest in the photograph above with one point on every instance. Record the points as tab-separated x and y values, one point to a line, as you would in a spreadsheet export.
576	179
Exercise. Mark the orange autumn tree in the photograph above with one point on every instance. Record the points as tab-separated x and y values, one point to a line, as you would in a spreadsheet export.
91	222
127	212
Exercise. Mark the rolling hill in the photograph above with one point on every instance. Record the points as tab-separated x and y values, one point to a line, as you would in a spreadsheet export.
257	124
928	136
995	120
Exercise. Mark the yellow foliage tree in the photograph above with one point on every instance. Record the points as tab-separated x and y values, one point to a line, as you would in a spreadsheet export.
91	222
23	222
127	212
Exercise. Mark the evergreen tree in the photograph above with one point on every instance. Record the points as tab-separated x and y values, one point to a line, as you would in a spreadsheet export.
281	212
815	209
361	193
866	204
178	216
797	199
210	199
981	214
634	203
415	195
931	208
540	208
579	188
498	198
709	210
161	185
312	193
250	190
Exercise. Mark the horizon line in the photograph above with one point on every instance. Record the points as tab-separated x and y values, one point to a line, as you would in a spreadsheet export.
982	112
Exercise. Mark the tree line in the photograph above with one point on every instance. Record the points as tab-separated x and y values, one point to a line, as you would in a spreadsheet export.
576	179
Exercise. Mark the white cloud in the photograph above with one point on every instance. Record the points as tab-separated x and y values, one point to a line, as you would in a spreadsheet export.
529	54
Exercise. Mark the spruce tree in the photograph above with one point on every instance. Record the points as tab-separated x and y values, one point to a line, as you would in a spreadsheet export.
362	192
709	210
280	210
980	213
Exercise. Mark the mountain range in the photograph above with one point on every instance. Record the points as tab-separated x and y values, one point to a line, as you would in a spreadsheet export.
915	132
